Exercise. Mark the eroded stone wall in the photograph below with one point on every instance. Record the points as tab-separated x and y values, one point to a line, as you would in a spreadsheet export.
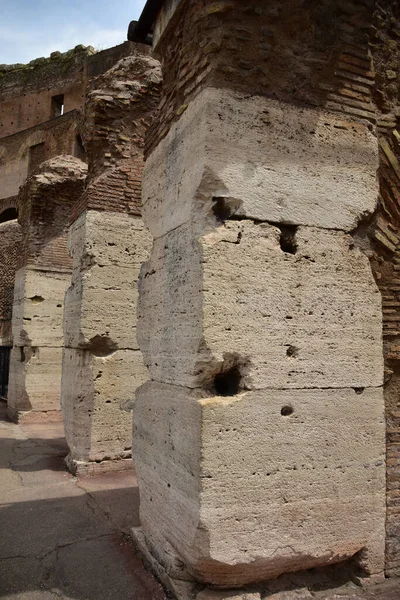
259	440
42	277
102	364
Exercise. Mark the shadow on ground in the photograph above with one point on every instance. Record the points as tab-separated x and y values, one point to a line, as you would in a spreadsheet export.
63	538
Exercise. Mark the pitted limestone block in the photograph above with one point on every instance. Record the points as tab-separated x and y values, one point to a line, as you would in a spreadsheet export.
35	378
108	250
272	161
262	483
236	302
38	307
97	399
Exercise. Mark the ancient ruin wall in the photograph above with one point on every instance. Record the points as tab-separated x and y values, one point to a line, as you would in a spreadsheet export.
102	365
43	275
10	244
22	153
27	92
262	162
381	238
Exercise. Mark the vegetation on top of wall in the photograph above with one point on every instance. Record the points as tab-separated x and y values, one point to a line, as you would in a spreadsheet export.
58	63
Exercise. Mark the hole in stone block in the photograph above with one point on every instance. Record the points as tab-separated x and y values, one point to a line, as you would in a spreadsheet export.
288	238
292	351
102	345
224	208
359	390
286	411
22	356
221	209
228	377
36	299
228	382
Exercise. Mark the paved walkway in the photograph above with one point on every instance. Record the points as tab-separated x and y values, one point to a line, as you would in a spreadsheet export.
60	538
64	539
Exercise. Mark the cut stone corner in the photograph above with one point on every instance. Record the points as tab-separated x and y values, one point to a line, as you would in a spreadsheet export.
289	586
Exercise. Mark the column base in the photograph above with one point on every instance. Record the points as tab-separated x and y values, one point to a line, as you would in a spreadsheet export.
33	416
81	468
342	579
183	589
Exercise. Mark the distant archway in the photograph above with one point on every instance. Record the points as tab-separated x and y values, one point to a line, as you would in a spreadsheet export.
9	214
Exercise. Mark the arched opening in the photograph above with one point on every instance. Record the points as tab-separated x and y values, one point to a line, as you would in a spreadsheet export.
10	214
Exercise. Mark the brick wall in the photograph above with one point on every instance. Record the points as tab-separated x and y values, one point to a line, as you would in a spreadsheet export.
10	245
57	135
316	54
44	209
119	108
384	234
26	91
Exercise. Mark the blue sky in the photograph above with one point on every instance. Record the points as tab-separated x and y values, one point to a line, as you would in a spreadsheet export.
33	28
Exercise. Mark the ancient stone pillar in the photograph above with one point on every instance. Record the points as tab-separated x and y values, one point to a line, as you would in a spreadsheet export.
259	438
43	275
102	364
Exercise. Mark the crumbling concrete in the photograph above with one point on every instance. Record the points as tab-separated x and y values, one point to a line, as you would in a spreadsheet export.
41	280
259	440
102	364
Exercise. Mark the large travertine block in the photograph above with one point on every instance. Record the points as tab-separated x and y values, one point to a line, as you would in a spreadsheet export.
260	323
235	298
35	379
97	398
108	250
38	307
271	161
253	490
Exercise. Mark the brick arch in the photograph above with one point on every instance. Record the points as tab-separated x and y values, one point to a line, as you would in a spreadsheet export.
8	203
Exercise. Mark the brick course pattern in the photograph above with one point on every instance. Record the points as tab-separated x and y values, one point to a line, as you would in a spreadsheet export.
118	111
10	245
44	208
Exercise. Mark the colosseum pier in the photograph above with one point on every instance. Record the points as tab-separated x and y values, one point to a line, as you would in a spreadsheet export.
199	307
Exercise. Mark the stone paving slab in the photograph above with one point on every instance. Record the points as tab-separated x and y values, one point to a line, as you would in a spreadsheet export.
60	538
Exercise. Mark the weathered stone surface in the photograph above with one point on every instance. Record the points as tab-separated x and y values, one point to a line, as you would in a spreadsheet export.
38	307
260	324
35	380
108	250
291	320
102	365
272	161
250	492
108	243
43	276
97	398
